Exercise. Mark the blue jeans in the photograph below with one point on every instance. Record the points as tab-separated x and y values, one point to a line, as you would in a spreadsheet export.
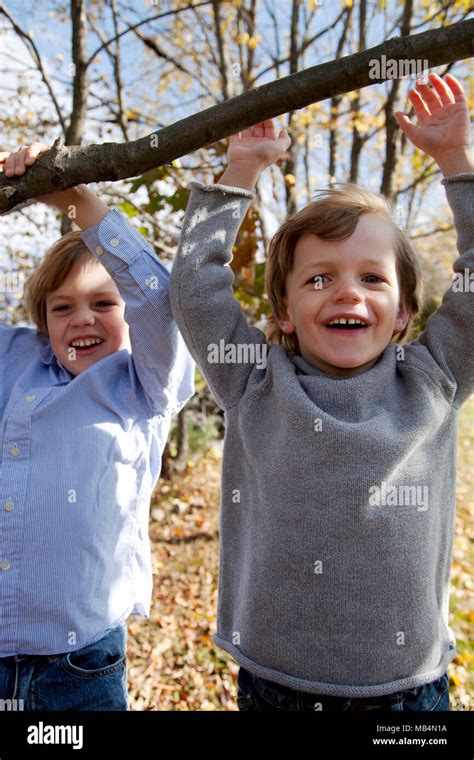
92	678
257	693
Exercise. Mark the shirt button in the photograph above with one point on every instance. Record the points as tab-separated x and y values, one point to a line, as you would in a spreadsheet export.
14	451
99	250
9	505
31	397
4	565
114	242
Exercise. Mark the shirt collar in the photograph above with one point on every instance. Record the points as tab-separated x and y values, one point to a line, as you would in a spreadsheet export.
46	354
49	358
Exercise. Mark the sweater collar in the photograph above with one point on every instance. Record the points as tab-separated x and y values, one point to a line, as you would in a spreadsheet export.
308	368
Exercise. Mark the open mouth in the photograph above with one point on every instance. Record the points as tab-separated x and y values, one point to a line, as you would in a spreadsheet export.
347	326
86	346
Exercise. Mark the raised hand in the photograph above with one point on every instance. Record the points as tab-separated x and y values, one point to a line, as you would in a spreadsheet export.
79	203
15	163
443	118
259	145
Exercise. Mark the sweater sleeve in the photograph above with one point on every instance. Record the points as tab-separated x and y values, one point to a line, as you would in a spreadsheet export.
202	300
449	333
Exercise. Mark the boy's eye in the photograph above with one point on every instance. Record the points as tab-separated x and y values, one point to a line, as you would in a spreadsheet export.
99	303
317	280
377	277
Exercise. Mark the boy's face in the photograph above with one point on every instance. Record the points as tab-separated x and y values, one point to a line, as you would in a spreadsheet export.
360	280
87	305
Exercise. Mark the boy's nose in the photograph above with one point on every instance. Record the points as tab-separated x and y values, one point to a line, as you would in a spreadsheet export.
83	316
347	291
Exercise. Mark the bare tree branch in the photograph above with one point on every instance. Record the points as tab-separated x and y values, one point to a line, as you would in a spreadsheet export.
225	69
30	44
153	45
446	228
142	22
391	126
62	167
75	129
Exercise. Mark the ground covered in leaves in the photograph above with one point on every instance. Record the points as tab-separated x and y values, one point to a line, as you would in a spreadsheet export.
173	663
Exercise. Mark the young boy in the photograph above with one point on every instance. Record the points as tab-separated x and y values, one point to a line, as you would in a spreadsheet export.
338	473
86	405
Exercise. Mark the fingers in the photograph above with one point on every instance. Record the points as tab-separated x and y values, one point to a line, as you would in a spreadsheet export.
406	125
262	129
426	95
456	87
421	109
442	88
15	163
286	139
428	100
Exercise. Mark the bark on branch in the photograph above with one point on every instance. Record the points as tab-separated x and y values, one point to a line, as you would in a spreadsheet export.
62	167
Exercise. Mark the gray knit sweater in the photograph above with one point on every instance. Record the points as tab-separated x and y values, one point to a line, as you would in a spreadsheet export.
338	493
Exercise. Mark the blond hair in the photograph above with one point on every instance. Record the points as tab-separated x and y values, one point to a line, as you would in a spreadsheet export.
334	216
51	273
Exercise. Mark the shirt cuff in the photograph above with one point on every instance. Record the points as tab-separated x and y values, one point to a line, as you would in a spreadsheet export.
224	189
116	243
463	176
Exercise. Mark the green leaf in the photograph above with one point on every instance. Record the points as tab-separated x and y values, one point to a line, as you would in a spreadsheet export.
149	178
127	209
179	199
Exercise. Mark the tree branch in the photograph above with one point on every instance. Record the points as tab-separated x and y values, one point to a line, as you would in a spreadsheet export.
62	167
141	23
34	52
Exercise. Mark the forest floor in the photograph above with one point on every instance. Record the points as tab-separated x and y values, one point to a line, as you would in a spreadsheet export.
173	663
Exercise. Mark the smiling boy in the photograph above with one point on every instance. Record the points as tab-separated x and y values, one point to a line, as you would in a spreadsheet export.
338	474
86	401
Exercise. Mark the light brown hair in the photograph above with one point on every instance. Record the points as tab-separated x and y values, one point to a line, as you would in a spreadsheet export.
51	273
334	216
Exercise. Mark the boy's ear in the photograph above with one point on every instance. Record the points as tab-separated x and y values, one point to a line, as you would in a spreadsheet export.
401	319
285	322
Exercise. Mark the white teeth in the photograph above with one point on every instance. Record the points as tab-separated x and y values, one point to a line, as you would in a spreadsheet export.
343	321
87	342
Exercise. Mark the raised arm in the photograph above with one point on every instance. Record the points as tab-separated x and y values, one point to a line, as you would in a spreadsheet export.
160	364
443	133
210	318
163	365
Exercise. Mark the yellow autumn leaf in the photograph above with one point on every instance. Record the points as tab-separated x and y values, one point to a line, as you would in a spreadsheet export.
253	42
290	179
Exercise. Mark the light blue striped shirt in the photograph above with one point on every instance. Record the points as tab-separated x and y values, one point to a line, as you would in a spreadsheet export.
80	458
